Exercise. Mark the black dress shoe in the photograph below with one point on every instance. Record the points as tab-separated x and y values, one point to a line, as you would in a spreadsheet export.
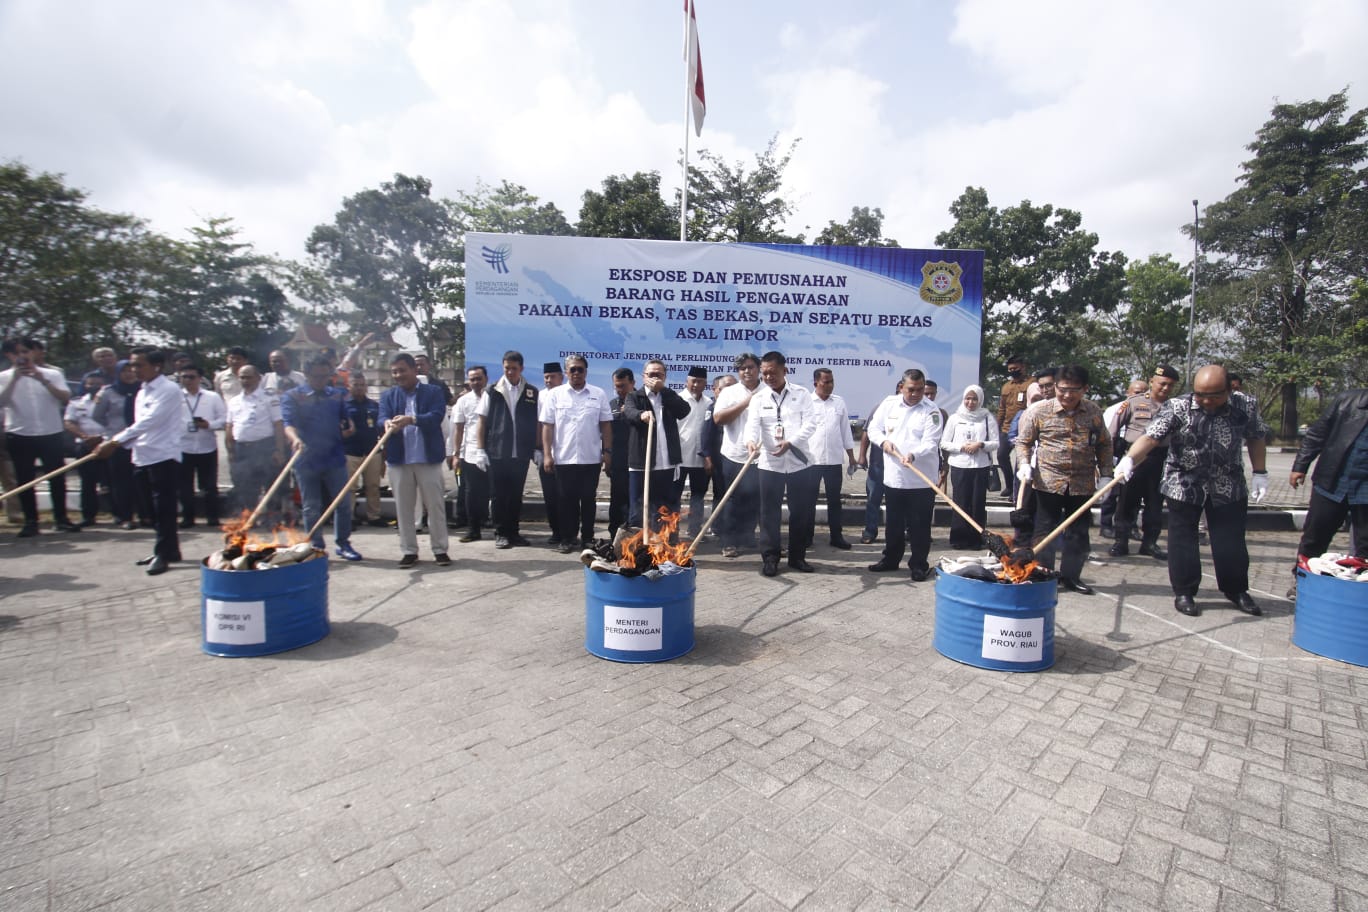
1154	551
1184	604
143	562
66	527
1074	585
868	539
770	567
1120	548
28	531
519	540
1245	603
408	560
157	567
840	543
921	575
801	565
882	566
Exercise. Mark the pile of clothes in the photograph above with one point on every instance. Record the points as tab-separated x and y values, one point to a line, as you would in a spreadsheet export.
1343	566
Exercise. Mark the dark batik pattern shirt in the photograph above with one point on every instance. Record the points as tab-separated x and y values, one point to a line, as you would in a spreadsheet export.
1204	458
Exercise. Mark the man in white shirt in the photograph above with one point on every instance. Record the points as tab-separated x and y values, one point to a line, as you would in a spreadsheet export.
577	441
831	438
33	397
159	422
695	467
280	379
779	427
907	428
255	440
206	415
729	413
79	419
464	417
226	381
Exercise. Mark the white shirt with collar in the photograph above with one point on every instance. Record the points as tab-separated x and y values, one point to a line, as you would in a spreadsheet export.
691	430
915	430
790	407
271	382
32	410
252	416
734	433
208	405
159	418
575	415
832	437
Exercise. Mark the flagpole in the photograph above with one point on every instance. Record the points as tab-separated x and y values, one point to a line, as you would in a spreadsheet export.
688	106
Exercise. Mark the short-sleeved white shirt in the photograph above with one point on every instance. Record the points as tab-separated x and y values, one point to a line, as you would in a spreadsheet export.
575	415
734	433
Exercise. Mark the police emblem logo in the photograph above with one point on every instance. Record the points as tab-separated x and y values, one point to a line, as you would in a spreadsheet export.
941	283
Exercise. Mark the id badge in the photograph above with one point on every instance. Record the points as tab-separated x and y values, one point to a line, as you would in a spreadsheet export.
778	430
191	426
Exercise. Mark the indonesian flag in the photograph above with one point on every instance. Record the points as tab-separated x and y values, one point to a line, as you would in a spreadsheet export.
695	63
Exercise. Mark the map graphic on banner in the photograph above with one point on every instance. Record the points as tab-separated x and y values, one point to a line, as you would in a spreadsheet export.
868	313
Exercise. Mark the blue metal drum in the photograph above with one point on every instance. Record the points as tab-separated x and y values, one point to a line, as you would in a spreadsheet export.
995	625
635	619
1331	618
258	612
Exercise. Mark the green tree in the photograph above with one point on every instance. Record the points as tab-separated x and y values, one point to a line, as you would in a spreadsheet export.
395	254
1042	278
222	293
628	207
727	202
1289	244
508	209
1151	325
864	228
71	274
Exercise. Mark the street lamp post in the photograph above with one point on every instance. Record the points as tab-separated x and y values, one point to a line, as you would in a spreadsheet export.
1192	305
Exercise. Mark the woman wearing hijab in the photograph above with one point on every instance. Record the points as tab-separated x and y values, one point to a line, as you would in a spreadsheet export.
971	442
114	411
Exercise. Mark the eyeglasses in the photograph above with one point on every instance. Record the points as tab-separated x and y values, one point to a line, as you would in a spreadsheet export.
1066	390
576	370
1219	394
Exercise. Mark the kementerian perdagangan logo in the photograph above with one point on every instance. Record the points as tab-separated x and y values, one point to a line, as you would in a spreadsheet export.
497	257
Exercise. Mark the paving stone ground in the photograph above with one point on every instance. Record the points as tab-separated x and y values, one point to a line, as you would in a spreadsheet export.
451	746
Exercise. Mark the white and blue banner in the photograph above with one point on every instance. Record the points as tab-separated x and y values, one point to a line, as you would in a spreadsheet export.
867	313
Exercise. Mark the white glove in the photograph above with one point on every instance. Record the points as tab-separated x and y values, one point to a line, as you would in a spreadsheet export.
1258	487
480	459
1024	472
1125	468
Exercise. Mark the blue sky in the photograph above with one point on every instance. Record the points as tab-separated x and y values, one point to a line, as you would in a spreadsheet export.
272	112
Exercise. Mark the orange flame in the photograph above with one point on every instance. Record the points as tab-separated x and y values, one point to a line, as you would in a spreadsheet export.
1015	570
657	544
236	533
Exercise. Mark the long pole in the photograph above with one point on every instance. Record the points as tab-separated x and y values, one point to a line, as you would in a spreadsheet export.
1192	305
688	107
351	483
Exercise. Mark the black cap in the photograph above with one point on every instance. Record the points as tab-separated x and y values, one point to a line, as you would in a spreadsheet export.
552	367
1166	371
697	371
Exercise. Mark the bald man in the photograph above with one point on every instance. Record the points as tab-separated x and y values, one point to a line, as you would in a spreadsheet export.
1204	473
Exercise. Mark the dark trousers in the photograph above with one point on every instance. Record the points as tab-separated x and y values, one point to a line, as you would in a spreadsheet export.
201	469
1051	510
93	474
664	493
801	487
829	483
1324	518
49	451
462	516
1009	480
122	491
619	496
1229	555
695	478
741	512
551	499
476	481
970	492
507	478
577	487
874	493
253	469
1142	488
908	529
159	486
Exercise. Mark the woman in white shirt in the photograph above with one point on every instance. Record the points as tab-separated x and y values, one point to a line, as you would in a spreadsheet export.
971	442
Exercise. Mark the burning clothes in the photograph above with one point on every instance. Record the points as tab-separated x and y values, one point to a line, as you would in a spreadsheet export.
991	569
635	553
264	557
1340	566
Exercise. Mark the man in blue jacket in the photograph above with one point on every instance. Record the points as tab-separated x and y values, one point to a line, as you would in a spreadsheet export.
315	419
414	454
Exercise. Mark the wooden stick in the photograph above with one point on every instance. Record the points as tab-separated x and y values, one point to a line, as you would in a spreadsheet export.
954	506
53	474
646	482
1087	505
347	488
1021	493
717	507
270	492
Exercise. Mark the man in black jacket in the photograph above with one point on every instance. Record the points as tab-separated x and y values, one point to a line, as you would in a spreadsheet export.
619	490
506	437
1338	444
654	402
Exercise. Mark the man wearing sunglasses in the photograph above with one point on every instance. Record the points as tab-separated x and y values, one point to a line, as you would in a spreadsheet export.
1204	473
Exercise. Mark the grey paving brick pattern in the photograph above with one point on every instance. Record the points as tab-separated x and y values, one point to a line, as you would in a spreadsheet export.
451	746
